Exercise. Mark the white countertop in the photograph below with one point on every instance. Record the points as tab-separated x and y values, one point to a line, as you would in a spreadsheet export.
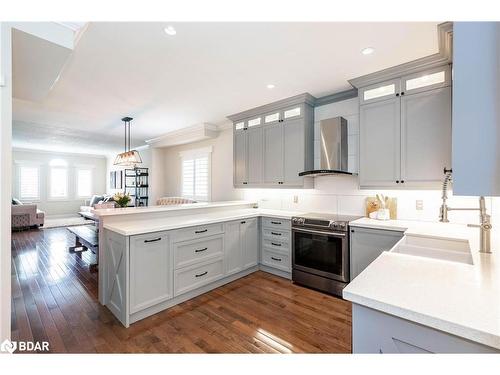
457	298
130	228
175	207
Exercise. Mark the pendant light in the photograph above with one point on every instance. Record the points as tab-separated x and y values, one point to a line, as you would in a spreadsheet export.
128	157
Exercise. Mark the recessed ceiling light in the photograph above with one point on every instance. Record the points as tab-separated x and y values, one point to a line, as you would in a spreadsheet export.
270	86
170	30
367	51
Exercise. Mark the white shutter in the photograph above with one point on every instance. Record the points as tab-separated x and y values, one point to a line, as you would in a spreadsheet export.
84	183
196	177
58	183
29	182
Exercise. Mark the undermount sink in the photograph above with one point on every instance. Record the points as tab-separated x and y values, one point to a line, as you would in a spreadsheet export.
436	248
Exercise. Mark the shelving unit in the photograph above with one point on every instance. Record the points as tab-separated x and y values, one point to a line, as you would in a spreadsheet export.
137	186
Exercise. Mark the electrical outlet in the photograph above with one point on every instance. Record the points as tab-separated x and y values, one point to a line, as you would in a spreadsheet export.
295	199
419	204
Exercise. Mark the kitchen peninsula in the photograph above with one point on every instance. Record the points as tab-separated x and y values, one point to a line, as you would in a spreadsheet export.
152	258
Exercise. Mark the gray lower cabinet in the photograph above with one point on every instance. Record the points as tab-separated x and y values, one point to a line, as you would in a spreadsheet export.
276	249
241	245
367	244
377	332
150	270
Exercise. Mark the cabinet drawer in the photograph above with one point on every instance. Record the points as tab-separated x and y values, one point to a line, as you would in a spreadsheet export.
276	234
276	260
268	222
193	277
195	251
149	240
197	232
276	245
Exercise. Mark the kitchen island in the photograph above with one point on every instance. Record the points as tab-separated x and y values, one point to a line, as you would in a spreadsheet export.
152	259
410	303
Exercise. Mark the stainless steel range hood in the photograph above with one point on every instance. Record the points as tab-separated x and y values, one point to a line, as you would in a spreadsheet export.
333	148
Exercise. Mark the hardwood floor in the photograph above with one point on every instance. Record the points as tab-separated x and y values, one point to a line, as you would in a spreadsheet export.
54	298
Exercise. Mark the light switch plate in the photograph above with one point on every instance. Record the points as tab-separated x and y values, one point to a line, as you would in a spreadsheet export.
419	204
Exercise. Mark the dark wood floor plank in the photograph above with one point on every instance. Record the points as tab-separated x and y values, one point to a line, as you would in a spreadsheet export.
54	298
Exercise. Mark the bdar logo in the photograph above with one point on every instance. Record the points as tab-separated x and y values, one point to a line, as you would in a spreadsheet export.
8	346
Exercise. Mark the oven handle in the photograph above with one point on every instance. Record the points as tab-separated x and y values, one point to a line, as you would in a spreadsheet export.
331	234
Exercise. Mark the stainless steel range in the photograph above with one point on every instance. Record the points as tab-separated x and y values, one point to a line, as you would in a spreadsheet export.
320	251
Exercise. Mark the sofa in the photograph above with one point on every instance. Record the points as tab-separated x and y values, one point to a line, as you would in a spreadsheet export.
167	201
26	216
96	199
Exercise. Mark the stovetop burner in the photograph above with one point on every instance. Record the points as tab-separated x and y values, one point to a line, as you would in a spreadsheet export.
323	221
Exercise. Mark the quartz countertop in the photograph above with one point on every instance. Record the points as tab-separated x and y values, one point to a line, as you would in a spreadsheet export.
460	299
130	228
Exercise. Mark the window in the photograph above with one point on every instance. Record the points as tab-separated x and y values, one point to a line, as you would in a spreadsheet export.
58	179
196	174
29	182
84	183
426	80
379	92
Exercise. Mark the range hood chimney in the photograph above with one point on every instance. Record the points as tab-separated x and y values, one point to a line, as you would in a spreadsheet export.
333	148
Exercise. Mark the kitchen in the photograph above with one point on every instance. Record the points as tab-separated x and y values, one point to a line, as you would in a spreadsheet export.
397	123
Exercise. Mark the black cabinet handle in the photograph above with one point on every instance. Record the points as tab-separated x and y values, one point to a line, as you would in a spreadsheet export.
245	183
402	181
156	239
200	231
201	274
276	222
276	259
403	93
397	182
397	94
200	250
276	234
243	222
275	244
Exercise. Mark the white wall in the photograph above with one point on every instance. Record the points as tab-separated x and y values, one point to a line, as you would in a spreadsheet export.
222	167
72	204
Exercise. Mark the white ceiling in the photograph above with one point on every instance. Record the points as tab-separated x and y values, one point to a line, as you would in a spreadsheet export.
205	72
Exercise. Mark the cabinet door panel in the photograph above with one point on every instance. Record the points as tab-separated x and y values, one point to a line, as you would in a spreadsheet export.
273	153
425	136
255	155
367	244
250	242
293	148
150	271
380	142
240	157
232	248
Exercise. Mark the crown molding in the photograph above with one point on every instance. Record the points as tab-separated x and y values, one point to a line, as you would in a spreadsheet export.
443	57
297	99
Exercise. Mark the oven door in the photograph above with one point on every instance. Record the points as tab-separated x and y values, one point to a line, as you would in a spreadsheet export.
321	253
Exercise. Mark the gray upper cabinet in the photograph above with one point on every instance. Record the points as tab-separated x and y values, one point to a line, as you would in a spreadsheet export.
273	154
274	143
255	154
380	143
405	130
425	136
240	157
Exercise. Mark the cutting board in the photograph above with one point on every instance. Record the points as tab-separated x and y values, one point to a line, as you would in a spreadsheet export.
372	204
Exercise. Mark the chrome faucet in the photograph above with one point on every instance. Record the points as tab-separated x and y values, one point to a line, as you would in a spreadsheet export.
485	219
